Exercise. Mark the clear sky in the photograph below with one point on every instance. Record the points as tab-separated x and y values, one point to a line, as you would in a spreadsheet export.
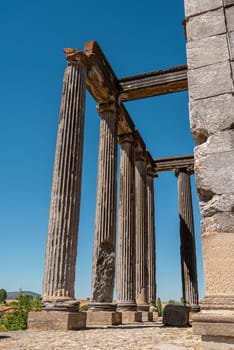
136	37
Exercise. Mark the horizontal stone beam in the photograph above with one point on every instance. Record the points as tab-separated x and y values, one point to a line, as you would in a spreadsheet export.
173	163
154	83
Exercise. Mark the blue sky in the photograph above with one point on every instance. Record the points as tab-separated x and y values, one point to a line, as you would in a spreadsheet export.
136	37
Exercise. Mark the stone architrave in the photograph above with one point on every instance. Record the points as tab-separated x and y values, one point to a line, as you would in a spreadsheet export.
103	272
61	248
187	240
151	242
141	233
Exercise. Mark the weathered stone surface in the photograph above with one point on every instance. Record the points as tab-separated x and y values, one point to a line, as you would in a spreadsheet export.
187	240
195	7
176	315
216	342
219	222
205	25
55	320
210	80
231	43
229	13
126	267
210	160
61	249
131	317
103	272
147	316
228	2
141	232
218	203
151	243
103	318
207	51
211	115
218	254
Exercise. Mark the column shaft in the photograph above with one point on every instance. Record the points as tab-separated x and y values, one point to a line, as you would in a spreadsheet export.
141	234
188	249
103	273
61	249
126	226
151	243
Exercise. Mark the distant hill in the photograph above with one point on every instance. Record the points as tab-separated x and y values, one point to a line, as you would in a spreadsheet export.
15	295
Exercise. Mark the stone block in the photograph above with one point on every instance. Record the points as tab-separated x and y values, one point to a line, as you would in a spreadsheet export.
206	24
147	316
228	2
218	203
131	317
210	80
207	51
217	343
208	116
103	318
56	320
176	315
229	13
195	7
218	257
231	43
155	315
211	158
219	222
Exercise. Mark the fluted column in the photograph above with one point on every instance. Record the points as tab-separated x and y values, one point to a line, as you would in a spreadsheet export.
61	249
151	241
103	273
187	240
141	233
126	269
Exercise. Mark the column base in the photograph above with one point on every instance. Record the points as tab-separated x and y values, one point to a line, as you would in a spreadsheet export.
131	317
103	318
147	316
128	306
70	305
142	307
102	307
56	320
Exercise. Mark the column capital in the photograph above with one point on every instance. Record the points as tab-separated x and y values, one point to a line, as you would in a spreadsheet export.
126	138
112	107
141	156
74	56
188	170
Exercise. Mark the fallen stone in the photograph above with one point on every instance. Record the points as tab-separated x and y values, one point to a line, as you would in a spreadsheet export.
176	315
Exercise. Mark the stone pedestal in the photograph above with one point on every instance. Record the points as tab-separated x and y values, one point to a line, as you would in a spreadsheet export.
131	317
126	267
147	316
56	320
187	240
61	249
103	318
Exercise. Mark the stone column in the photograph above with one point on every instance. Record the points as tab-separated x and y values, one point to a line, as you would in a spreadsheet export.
61	248
126	270
151	242
141	233
187	240
103	274
210	52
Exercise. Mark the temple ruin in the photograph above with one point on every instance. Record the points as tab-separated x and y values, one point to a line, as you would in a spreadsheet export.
208	76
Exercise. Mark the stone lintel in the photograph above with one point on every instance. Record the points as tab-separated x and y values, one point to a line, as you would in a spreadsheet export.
103	318
101	80
56	320
154	83
173	163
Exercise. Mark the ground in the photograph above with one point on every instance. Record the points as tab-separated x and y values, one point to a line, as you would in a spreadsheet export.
136	337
